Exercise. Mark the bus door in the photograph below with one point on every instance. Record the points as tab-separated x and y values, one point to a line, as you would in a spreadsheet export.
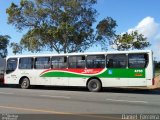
117	70
11	74
42	64
59	69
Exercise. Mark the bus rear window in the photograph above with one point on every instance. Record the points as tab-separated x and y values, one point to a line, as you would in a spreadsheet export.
137	60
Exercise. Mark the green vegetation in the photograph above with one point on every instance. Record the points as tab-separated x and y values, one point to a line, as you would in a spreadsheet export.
60	25
4	42
157	70
16	48
132	40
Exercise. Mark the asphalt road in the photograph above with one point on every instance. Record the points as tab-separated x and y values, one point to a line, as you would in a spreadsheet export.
77	103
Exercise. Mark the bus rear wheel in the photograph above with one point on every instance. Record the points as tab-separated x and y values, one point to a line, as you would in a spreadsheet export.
25	83
94	85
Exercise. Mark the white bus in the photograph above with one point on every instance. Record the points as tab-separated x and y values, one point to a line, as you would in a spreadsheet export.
91	70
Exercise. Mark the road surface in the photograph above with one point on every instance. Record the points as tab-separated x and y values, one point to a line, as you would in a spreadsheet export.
74	103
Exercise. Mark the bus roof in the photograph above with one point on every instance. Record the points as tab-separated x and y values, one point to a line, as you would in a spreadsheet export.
84	53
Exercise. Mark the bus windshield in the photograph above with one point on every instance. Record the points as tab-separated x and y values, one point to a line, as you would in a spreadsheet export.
11	65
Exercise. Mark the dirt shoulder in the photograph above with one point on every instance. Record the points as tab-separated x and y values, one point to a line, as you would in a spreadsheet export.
156	82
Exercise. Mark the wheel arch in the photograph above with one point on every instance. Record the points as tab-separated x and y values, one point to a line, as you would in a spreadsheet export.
20	80
94	77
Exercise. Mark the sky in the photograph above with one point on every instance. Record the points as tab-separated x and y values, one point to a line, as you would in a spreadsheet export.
140	15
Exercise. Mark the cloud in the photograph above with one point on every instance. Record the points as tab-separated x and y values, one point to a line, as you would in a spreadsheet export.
150	29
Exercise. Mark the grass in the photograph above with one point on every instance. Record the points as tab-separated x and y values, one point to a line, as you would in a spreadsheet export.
157	71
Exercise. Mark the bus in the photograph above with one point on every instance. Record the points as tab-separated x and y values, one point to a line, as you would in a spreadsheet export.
92	70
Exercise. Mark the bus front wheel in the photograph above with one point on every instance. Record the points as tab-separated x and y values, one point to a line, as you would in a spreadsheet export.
94	85
25	83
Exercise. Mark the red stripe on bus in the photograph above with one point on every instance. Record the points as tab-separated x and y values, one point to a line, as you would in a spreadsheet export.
77	70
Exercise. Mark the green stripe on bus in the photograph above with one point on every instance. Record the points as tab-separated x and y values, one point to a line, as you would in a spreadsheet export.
109	73
123	73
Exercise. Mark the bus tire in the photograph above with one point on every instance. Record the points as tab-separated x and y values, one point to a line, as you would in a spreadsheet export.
94	85
25	83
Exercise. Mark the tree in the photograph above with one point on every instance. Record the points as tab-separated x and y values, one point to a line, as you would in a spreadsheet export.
60	25
16	48
132	40
4	41
105	32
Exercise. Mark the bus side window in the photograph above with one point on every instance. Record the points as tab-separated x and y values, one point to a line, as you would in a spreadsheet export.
76	62
59	62
26	63
110	63
42	63
137	60
95	61
81	62
116	61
